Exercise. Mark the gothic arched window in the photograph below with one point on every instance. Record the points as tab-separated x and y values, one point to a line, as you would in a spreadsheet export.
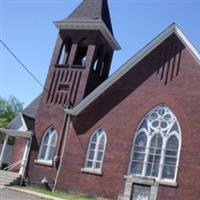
96	149
156	147
48	145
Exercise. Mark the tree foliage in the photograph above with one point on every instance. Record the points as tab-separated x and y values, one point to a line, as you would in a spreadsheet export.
8	109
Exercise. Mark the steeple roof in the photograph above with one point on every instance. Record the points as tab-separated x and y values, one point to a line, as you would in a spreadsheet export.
91	15
91	11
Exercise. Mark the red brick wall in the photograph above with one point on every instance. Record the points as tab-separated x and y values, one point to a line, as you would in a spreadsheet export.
119	111
168	75
51	113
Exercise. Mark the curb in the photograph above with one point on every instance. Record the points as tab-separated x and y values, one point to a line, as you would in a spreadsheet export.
37	194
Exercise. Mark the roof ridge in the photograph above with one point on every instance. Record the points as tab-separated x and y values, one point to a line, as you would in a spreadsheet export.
131	62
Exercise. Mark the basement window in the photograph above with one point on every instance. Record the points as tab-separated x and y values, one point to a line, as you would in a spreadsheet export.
140	192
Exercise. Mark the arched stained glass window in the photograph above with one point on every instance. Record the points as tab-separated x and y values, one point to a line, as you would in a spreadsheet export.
170	159
139	153
154	156
48	145
96	150
156	147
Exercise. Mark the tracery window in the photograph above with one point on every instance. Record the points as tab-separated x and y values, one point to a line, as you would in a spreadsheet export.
48	145
156	147
96	149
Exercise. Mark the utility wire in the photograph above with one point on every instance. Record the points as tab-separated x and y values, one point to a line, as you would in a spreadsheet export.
25	68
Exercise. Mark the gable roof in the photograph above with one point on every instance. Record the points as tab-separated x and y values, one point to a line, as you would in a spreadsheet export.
172	29
91	15
24	120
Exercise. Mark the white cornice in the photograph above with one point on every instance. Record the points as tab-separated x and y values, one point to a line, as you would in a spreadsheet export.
16	133
188	44
132	62
90	26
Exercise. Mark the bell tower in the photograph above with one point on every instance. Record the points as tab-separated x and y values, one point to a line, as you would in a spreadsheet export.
80	62
82	55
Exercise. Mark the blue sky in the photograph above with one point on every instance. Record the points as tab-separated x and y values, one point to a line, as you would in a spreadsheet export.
26	27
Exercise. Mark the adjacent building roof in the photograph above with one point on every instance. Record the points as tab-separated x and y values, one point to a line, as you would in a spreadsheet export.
31	109
18	127
172	29
91	15
25	120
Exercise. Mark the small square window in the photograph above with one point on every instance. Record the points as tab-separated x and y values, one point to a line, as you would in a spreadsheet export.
140	192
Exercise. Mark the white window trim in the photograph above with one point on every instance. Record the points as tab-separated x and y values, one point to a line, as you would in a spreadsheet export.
171	182
45	161
92	169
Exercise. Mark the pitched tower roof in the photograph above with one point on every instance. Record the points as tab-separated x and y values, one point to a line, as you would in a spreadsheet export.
91	11
91	15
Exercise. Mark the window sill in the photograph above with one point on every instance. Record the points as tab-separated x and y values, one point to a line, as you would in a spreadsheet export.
91	171
44	162
168	183
150	181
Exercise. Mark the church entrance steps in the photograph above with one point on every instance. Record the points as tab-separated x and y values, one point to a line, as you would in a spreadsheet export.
8	178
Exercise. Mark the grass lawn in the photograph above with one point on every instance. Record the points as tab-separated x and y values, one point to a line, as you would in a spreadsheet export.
61	195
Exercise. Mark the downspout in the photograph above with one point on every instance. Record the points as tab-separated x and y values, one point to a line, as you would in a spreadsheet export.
62	153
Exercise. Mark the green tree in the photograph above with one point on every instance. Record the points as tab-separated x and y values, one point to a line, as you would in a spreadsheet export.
8	109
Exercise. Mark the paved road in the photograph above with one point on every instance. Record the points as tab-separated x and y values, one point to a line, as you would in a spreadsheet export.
6	194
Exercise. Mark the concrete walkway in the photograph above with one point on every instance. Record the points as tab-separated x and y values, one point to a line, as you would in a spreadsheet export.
11	193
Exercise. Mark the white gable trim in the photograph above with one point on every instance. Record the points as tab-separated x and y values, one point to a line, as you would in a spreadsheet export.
23	121
190	47
132	62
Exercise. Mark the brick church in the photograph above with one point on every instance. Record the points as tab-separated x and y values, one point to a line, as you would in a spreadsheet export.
132	135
